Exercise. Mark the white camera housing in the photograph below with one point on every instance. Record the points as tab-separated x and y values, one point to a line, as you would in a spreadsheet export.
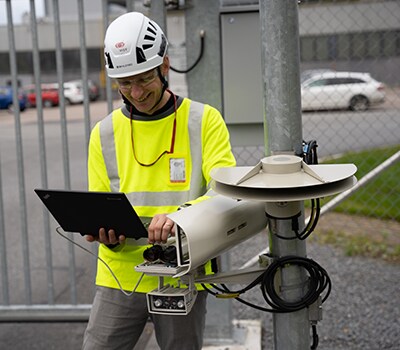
203	231
207	229
210	228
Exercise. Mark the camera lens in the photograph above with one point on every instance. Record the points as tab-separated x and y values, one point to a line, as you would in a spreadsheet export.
153	253
169	255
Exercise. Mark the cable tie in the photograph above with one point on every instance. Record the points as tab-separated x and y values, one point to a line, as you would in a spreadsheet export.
227	295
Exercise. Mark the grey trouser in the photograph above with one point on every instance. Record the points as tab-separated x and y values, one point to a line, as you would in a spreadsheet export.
117	321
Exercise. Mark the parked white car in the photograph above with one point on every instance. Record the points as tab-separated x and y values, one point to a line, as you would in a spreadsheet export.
340	90
73	91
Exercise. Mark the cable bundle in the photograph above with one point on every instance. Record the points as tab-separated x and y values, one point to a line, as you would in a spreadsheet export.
318	281
312	223
310	152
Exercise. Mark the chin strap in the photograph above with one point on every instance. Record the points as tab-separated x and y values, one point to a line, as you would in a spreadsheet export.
164	87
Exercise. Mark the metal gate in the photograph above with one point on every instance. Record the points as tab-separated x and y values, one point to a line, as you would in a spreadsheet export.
42	277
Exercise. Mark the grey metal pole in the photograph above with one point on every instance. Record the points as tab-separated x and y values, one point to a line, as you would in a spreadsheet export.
3	250
20	154
84	71
204	15
42	149
130	5
106	77
64	137
158	13
283	133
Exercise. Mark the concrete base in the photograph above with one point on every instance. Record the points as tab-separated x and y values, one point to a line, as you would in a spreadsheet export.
246	335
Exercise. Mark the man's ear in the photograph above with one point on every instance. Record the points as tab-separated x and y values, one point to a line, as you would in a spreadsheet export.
165	66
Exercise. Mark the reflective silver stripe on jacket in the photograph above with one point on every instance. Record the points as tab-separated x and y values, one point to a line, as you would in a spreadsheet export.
108	149
195	118
165	198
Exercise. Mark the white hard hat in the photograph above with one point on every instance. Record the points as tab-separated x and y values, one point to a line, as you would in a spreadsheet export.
133	44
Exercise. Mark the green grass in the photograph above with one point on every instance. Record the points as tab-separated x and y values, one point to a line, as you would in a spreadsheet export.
379	198
361	245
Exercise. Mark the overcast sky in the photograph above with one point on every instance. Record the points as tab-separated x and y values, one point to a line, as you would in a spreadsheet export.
19	7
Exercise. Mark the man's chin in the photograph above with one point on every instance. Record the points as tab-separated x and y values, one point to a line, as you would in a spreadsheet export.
145	106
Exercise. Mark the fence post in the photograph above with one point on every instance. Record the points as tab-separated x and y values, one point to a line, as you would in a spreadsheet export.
204	85
158	13
19	155
64	135
283	133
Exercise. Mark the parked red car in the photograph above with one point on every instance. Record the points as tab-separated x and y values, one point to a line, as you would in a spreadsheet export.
50	95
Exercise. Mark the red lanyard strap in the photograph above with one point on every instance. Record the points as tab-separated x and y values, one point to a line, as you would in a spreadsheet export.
171	149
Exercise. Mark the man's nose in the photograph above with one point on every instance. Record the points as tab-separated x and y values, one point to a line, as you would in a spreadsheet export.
136	90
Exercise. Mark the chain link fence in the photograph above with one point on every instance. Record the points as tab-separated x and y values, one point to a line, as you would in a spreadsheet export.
338	41
357	36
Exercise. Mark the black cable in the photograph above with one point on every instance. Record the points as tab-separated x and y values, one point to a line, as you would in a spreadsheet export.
310	152
309	157
223	290
312	223
318	283
187	70
208	290
309	228
315	337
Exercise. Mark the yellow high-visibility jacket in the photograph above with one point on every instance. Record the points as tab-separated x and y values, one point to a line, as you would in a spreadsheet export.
201	144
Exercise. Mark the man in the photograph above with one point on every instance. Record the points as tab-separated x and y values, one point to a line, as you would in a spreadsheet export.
159	149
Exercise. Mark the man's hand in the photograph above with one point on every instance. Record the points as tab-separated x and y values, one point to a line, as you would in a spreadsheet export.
106	237
160	229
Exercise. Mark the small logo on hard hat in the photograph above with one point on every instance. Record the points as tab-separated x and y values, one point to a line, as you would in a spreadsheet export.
120	45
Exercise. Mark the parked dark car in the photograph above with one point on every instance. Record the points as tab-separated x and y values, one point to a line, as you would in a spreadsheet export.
6	98
50	96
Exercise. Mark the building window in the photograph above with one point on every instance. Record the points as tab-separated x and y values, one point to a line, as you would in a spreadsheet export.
350	46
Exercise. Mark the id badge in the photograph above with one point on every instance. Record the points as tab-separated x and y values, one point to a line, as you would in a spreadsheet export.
177	170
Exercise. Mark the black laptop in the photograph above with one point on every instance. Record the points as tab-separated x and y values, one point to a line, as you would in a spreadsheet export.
86	212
